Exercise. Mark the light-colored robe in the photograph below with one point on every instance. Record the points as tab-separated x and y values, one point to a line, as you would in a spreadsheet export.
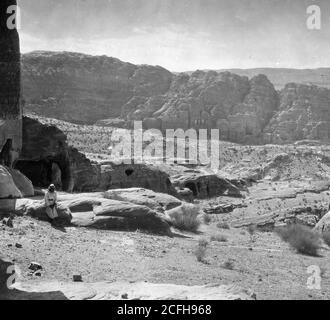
51	199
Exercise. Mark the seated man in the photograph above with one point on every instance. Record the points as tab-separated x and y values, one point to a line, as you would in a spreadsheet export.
51	202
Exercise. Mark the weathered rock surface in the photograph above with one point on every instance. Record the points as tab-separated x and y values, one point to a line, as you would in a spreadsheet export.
22	183
303	115
323	226
113	290
8	188
205	185
151	199
121	176
46	158
95	211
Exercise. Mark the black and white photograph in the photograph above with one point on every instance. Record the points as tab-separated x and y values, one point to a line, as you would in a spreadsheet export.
169	151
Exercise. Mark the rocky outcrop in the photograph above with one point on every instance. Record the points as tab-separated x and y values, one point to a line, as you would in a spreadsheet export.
93	210
46	158
151	199
8	188
66	85
323	226
303	115
205	185
121	176
209	100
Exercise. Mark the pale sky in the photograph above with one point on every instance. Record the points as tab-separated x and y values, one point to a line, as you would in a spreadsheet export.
181	35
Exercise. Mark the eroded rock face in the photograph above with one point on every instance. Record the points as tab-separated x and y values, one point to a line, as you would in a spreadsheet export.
122	176
244	110
66	85
151	199
209	100
205	185
323	226
303	114
46	158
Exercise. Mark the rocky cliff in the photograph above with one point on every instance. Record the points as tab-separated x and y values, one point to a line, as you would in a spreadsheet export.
303	113
87	89
69	86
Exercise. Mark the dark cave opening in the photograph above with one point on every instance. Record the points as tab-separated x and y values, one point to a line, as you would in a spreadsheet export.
129	172
46	171
192	187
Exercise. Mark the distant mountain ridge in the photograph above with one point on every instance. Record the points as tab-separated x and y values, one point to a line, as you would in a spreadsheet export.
243	104
281	76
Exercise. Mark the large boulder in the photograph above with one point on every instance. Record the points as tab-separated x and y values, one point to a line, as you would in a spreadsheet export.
204	185
323	226
95	211
22	183
121	176
8	188
149	198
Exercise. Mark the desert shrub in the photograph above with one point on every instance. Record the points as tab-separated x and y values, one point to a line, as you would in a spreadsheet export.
219	238
223	225
200	251
301	238
186	217
229	264
326	238
207	218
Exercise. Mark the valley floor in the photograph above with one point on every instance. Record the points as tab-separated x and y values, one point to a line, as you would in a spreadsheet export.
263	264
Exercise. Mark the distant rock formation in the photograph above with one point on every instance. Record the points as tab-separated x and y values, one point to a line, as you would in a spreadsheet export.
303	114
68	86
109	92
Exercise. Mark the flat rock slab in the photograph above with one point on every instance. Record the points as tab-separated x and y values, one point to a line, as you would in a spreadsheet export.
128	291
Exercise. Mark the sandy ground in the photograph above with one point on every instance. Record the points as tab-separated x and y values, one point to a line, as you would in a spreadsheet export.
264	264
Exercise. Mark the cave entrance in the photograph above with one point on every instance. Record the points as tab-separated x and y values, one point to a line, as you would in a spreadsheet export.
6	157
192	187
44	172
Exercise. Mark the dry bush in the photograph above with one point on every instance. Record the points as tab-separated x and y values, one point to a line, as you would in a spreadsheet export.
229	264
223	225
219	238
326	238
200	251
301	238
186	217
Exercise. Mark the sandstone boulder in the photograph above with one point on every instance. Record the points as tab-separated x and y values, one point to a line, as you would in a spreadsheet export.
121	176
151	199
205	185
22	183
8	188
323	226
